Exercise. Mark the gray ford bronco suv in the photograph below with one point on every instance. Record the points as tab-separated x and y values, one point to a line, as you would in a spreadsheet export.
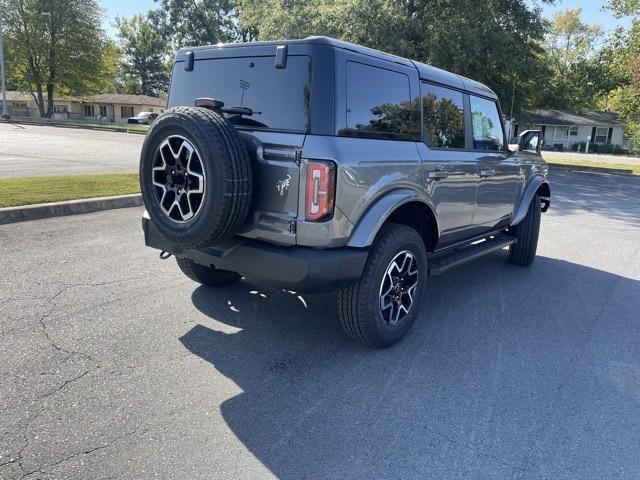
316	163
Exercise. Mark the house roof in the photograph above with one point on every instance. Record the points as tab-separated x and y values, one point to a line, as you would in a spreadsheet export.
116	98
119	98
568	117
15	96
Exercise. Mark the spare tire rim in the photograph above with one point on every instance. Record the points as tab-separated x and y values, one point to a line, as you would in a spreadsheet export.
178	179
398	287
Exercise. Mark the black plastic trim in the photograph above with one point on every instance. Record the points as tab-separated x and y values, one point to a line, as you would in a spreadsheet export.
301	269
439	263
188	66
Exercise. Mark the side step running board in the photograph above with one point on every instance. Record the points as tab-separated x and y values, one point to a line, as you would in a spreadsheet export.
441	262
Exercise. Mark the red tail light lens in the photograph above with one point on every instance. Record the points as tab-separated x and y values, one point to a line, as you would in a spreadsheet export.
321	186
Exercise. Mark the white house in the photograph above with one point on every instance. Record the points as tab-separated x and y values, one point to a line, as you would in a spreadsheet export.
563	128
116	107
106	107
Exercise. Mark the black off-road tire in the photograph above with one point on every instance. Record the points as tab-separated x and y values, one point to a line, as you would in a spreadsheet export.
229	184
523	252
209	276
358	305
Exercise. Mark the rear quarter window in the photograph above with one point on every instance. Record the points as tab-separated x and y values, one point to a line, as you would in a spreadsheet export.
443	117
379	104
281	95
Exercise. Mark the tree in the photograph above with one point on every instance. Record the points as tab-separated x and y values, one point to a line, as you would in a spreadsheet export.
54	46
196	22
143	65
621	8
626	98
496	43
107	81
580	74
570	40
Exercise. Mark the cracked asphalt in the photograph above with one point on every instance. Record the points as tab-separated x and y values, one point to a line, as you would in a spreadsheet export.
114	365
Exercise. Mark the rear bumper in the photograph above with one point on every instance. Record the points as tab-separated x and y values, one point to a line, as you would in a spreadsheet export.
301	269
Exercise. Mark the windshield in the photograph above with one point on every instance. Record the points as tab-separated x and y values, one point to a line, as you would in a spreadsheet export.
144	114
279	97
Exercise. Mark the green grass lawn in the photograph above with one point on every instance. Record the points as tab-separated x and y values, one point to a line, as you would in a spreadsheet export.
588	163
124	128
31	190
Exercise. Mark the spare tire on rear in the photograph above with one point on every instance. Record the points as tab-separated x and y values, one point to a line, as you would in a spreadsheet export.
195	177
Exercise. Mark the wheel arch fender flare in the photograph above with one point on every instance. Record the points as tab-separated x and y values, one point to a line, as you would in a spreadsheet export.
537	183
379	212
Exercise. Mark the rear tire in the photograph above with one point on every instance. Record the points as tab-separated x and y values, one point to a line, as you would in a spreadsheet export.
360	306
209	276
523	252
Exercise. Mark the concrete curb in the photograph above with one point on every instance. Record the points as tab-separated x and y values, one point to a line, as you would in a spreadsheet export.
106	128
71	207
585	168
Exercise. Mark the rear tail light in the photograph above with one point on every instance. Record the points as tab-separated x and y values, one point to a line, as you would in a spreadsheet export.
321	186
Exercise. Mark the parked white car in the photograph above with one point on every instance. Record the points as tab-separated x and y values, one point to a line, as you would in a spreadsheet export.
143	118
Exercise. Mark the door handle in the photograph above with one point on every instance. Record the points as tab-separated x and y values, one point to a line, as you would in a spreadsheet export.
437	174
487	173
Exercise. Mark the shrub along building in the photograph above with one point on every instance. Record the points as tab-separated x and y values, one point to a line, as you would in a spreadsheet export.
567	130
106	107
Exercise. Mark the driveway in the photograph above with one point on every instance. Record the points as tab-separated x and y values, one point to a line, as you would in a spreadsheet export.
114	365
33	150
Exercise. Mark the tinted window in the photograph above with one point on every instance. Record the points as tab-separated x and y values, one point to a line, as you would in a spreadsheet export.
532	143
280	95
486	126
379	104
443	117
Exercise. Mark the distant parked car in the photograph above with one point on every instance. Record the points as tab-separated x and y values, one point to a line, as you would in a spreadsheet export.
143	118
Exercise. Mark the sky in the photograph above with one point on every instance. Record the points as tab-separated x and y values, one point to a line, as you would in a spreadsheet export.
592	12
123	8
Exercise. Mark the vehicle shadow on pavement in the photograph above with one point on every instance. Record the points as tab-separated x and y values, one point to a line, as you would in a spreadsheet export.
505	365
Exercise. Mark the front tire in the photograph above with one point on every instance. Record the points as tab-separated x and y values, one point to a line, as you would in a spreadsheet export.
523	252
209	276
380	308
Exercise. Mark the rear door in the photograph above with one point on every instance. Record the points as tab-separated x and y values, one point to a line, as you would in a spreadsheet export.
449	169
500	178
274	135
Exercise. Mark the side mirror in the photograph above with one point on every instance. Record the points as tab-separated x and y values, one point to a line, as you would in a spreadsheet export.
530	141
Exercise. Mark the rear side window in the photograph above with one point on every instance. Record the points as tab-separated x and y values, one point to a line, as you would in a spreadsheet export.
486	125
281	96
443	116
379	104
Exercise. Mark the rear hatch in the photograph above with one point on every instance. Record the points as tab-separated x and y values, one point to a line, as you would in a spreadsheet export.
278	94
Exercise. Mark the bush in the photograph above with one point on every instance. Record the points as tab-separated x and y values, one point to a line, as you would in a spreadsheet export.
633	142
608	149
578	147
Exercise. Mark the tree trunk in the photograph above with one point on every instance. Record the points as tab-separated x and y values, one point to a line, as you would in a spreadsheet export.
51	81
49	99
143	81
37	96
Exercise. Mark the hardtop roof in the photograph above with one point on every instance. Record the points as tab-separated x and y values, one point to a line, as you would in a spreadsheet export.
426	72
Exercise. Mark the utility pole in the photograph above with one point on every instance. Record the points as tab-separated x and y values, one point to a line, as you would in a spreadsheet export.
5	112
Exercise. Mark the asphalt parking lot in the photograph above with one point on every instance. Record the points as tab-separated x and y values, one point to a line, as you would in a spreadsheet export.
33	150
116	366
